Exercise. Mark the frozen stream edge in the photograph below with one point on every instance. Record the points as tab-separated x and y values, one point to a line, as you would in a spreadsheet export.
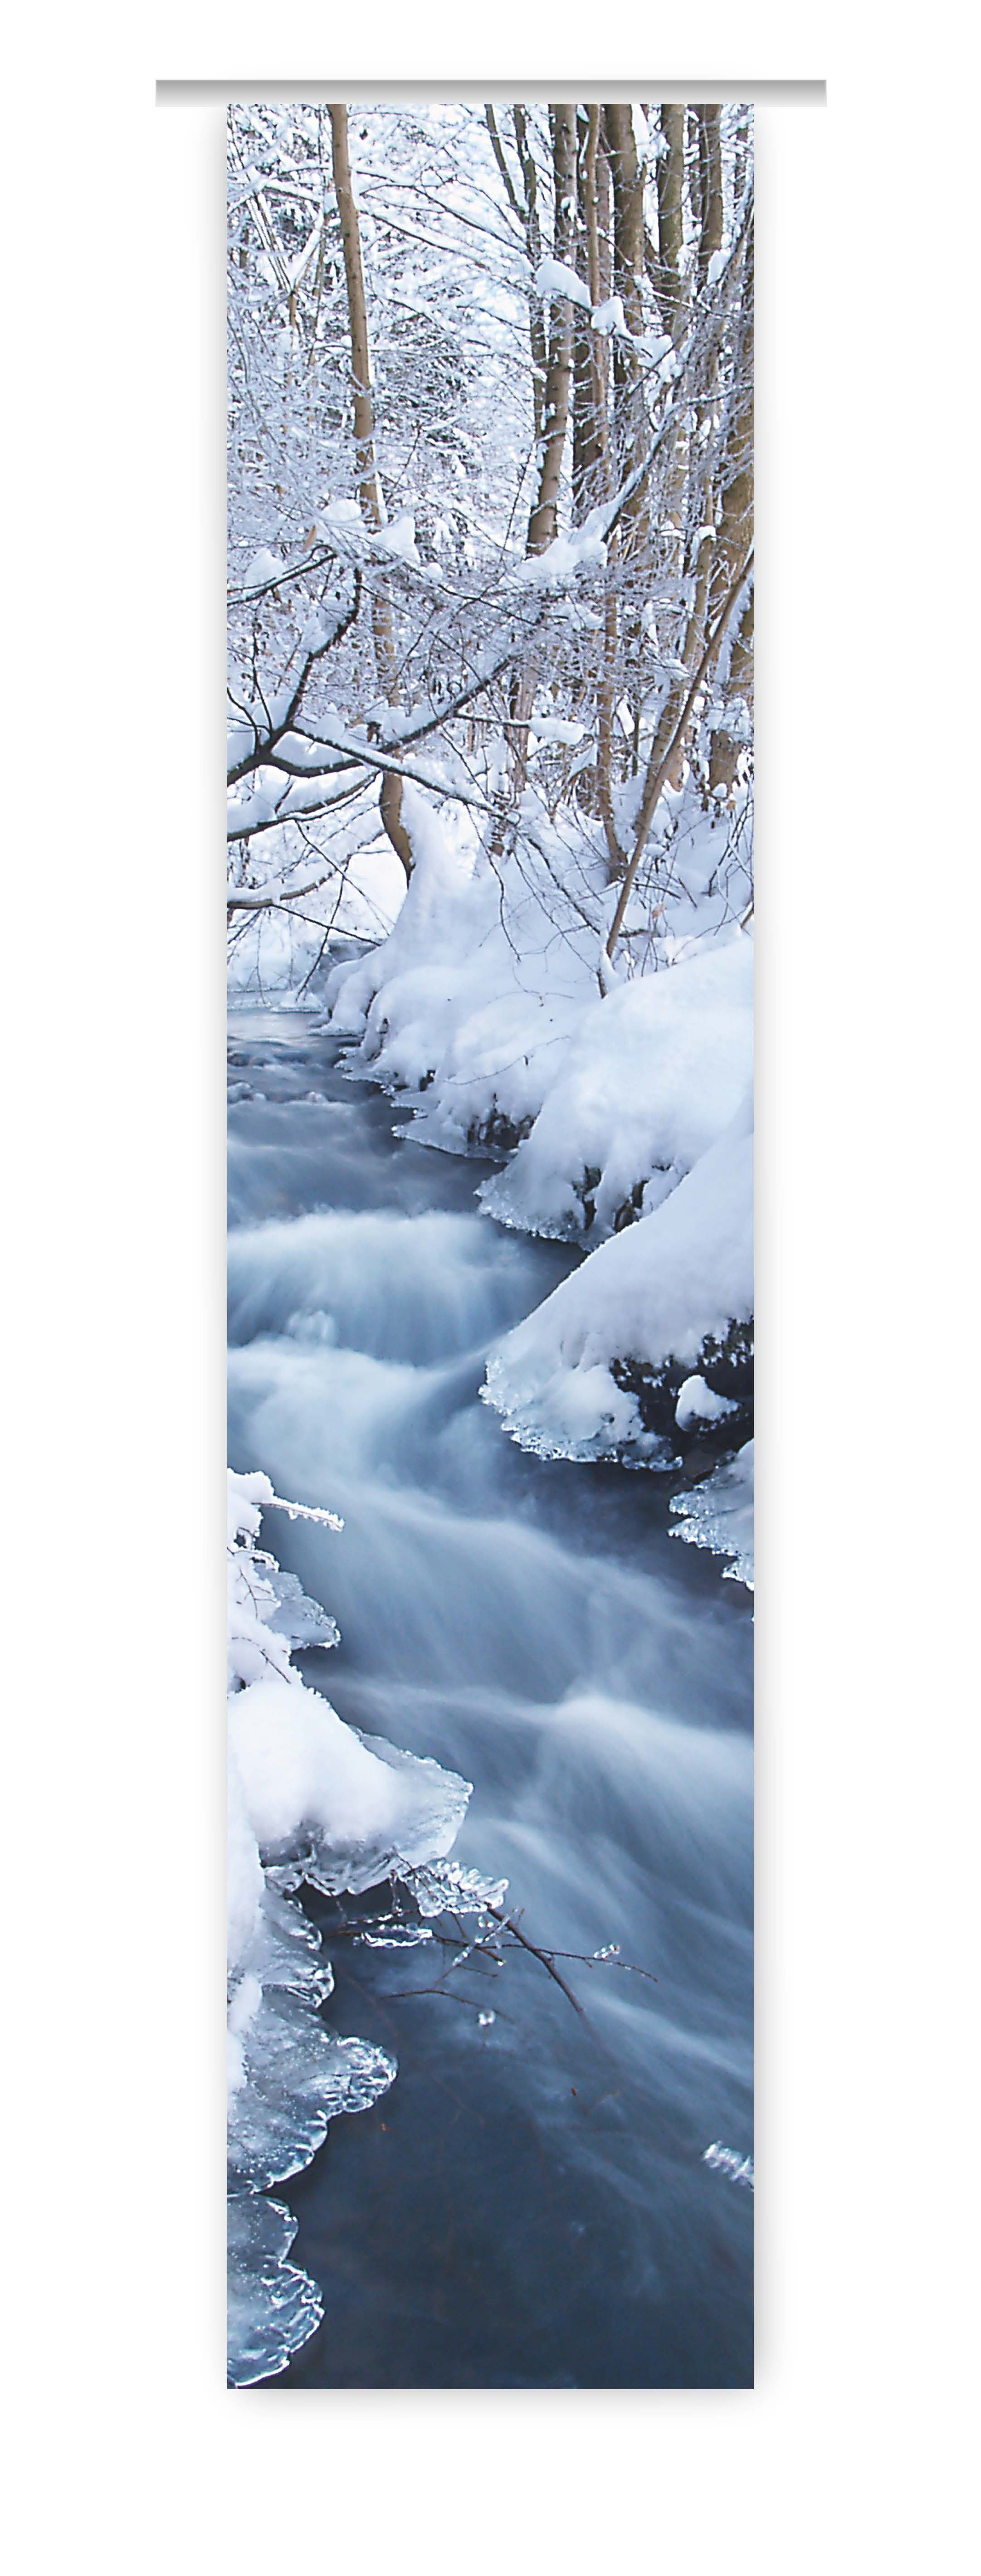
364	1812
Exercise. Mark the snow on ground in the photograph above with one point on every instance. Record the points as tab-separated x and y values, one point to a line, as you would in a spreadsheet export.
654	1295
651	1077
465	1004
483	1007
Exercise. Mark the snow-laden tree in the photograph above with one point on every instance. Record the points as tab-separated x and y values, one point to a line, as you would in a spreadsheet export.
490	498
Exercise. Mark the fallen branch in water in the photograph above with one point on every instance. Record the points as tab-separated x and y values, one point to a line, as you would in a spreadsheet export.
475	1948
508	1924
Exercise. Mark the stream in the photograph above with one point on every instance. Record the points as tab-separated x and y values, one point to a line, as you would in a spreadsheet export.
530	2204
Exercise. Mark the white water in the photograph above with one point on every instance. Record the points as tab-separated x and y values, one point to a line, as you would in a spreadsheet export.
527	1623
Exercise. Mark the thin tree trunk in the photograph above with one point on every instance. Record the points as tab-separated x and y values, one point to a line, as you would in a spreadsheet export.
628	268
739	684
583	414
543	523
735	517
700	565
533	241
670	221
672	296
595	200
629	421
710	170
606	694
658	770
590	467
369	489
735	530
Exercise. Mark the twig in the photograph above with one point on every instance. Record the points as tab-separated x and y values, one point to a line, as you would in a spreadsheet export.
508	1924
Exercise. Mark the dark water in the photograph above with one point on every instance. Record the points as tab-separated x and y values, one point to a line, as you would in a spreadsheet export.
529	2205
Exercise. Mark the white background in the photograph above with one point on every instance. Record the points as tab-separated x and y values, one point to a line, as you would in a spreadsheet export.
851	2453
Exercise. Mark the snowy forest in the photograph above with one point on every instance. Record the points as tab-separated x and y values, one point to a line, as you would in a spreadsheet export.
490	940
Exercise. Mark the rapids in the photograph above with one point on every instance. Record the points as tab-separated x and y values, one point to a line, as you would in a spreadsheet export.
530	2205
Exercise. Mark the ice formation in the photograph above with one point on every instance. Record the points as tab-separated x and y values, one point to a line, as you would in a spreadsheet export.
727	2160
719	1515
310	1800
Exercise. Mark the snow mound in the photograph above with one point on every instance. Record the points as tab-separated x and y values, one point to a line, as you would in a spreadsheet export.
456	1007
653	1295
482	1007
699	1403
655	1072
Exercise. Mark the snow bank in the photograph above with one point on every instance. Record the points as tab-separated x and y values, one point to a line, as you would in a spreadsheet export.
653	1075
325	1805
622	1119
459	1005
482	1005
309	1800
652	1305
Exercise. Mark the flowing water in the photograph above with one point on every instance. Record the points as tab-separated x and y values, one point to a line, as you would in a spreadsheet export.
530	2205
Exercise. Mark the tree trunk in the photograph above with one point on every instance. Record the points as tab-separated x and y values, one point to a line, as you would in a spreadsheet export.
700	564
369	489
544	520
595	200
735	529
629	420
590	474
533	244
670	222
710	170
543	524
725	748
659	766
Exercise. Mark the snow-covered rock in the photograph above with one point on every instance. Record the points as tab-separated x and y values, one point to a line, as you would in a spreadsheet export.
657	1301
699	1403
652	1076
